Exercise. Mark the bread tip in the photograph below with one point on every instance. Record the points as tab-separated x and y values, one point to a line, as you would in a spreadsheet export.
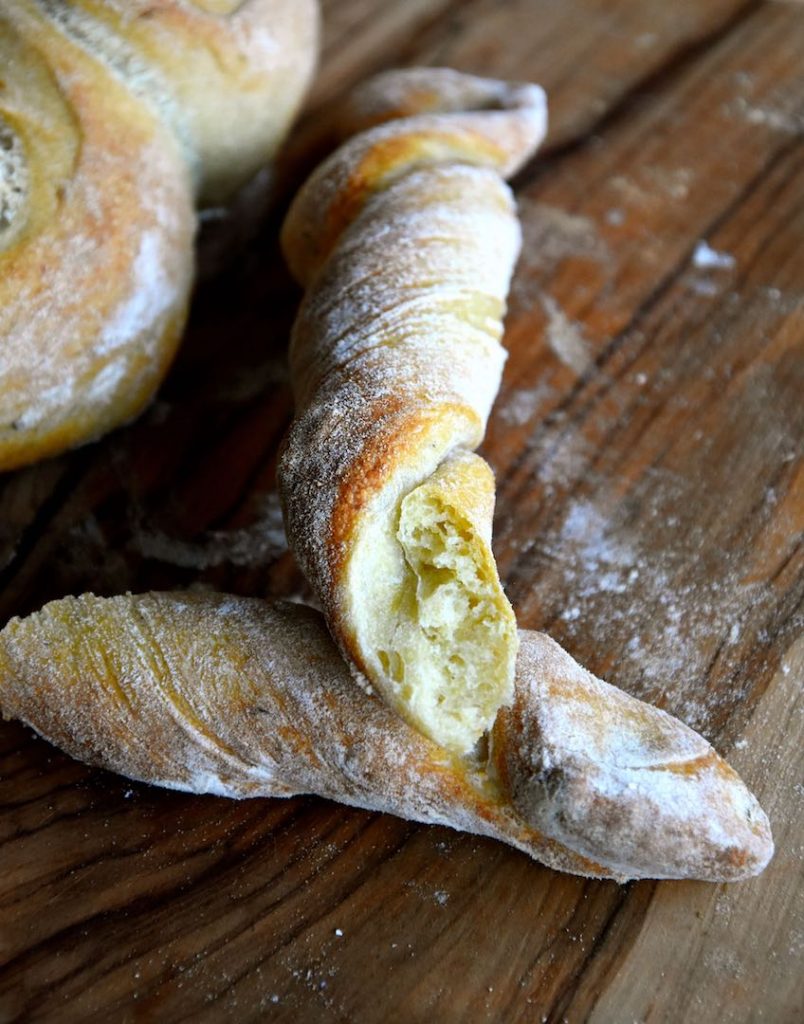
622	782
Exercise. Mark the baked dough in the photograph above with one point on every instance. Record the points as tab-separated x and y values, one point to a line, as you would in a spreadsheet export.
115	119
234	696
405	240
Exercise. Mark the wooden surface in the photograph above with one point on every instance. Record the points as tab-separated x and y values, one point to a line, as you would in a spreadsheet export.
648	443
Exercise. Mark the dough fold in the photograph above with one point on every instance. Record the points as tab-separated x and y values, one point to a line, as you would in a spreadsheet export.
405	240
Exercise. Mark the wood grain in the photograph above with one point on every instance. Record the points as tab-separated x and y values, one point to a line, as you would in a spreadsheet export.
648	444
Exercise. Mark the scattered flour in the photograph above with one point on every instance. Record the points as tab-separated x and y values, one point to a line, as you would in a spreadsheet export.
704	287
776	115
517	406
706	258
439	896
550	236
260	543
671	622
565	337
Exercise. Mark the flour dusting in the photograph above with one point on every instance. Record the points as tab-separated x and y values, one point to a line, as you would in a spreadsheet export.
261	543
517	406
782	117
704	257
565	337
152	295
676	622
402	320
551	236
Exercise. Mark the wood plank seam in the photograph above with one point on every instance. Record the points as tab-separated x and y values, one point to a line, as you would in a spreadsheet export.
660	79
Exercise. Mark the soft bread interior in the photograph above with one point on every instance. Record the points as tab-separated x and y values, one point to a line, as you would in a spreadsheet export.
13	181
438	631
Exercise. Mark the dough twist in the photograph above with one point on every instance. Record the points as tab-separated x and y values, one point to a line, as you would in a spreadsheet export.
234	696
405	240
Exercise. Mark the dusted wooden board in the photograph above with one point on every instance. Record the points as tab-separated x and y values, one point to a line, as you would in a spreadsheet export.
648	443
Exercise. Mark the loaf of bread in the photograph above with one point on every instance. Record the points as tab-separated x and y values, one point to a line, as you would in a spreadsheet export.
405	240
115	120
238	697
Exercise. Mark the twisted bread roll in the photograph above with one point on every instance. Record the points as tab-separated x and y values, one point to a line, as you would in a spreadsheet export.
217	694
405	240
114	119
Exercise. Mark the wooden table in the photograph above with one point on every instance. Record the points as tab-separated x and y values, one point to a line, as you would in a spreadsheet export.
648	443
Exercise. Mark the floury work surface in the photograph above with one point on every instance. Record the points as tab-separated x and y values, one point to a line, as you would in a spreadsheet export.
647	443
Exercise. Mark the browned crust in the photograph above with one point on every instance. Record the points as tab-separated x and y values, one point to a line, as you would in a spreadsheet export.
391	434
403	433
381	162
395	357
445	117
234	94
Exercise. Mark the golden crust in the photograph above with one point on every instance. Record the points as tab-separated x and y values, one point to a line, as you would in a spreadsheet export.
334	197
406	239
391	450
437	117
335	470
237	697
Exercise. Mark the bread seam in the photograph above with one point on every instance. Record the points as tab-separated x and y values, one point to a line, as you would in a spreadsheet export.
121	59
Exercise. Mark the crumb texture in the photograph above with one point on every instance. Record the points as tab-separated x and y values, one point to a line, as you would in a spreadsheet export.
14	182
447	639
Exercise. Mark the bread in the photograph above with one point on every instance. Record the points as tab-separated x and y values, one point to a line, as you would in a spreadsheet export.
234	696
405	240
115	119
